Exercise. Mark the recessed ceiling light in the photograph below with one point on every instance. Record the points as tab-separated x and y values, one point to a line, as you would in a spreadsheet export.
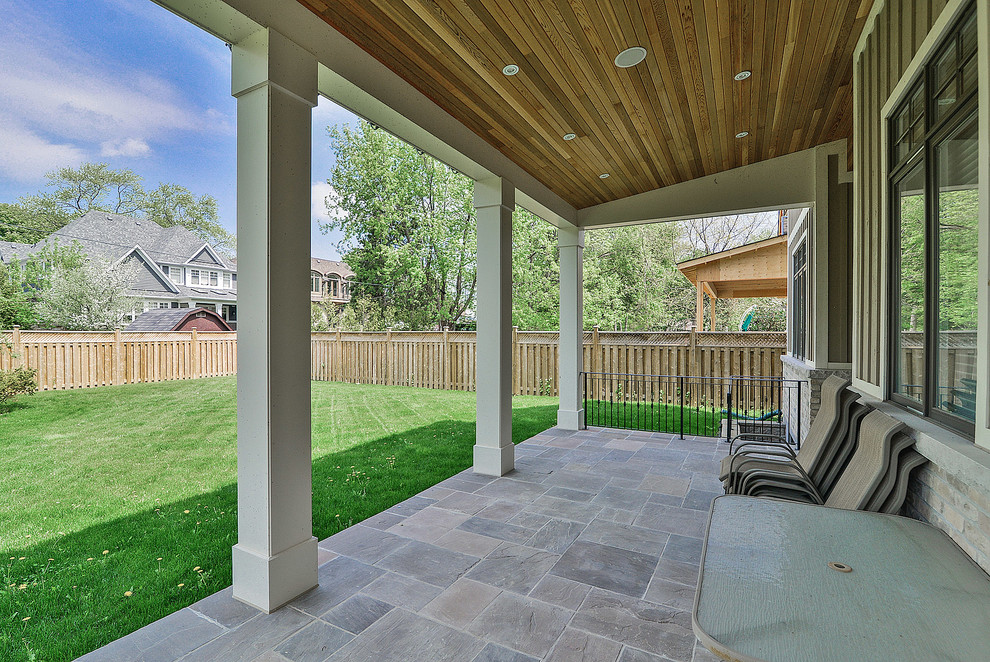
604	175
743	75
742	134
570	136
630	57
510	69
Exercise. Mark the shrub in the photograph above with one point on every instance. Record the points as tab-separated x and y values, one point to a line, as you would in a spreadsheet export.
16	382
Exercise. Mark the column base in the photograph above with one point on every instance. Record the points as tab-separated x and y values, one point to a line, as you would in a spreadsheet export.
268	582
570	420
490	461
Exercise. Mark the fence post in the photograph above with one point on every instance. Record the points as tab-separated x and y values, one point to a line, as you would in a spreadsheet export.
517	367
338	352
17	348
388	356
693	352
197	364
596	360
446	358
680	387
118	358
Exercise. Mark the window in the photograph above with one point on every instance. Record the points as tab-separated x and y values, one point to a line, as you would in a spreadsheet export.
174	274
194	277
799	314
214	278
334	287
315	283
934	230
226	281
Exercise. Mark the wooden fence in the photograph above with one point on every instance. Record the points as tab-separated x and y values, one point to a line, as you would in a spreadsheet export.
441	359
446	360
82	359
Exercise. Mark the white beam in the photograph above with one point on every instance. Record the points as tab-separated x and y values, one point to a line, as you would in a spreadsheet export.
570	415
494	453
778	183
275	558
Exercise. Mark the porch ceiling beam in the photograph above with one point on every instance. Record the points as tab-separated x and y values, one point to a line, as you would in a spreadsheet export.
359	82
778	183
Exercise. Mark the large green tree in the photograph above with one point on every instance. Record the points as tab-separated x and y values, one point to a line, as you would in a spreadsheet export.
71	192
408	231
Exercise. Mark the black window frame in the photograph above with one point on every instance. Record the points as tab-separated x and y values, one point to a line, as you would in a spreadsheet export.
936	130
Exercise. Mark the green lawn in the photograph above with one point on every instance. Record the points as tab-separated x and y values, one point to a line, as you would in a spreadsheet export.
131	489
656	417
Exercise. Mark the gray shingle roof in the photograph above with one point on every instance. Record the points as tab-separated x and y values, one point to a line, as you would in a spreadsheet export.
10	251
113	236
161	319
327	267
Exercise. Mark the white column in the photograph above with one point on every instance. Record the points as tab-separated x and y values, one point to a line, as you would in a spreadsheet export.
570	415
494	201
275	558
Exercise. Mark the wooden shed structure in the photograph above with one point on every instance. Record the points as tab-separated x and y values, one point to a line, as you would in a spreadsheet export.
178	319
758	269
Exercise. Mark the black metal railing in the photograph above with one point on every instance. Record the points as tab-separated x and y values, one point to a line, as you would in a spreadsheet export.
765	405
693	405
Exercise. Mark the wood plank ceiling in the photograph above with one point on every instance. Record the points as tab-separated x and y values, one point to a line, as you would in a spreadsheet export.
672	118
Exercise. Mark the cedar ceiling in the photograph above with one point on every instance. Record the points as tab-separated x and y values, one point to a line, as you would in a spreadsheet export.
672	118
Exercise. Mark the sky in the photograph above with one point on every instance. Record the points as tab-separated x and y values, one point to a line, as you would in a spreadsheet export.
128	83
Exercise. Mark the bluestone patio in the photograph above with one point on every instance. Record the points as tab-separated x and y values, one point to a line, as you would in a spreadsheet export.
588	550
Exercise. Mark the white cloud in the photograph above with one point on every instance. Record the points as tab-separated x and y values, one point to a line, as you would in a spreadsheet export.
26	156
320	191
129	147
63	102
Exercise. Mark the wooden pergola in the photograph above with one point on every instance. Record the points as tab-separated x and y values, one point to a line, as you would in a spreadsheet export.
753	270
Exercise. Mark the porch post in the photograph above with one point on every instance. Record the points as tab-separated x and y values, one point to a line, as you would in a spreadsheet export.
570	415
494	201
275	558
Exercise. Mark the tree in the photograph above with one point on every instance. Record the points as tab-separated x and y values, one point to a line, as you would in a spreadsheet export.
89	297
535	273
16	308
408	231
97	187
704	236
15	225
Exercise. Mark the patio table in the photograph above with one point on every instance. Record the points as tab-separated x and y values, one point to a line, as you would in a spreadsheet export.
897	589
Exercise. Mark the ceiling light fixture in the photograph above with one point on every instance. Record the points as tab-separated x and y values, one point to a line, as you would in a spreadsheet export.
604	175
742	134
630	57
510	69
743	75
570	136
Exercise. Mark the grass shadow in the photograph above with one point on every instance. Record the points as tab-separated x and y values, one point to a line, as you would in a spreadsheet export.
65	597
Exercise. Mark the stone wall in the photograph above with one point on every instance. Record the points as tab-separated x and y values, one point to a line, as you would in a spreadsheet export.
811	390
962	511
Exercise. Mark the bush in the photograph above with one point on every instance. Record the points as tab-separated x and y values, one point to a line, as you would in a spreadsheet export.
17	382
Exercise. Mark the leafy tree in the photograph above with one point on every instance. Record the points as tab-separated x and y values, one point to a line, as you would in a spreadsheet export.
16	308
89	297
15	225
535	273
97	187
408	231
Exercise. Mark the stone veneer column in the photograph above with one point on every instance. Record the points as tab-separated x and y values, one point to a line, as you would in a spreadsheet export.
275	558
494	453
570	415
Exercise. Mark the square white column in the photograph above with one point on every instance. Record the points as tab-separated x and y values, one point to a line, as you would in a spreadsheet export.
570	415
275	558
494	202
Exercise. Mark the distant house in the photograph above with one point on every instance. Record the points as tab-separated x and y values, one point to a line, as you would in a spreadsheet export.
177	319
177	269
329	281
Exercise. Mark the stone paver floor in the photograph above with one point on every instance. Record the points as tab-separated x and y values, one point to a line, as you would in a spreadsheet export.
588	551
